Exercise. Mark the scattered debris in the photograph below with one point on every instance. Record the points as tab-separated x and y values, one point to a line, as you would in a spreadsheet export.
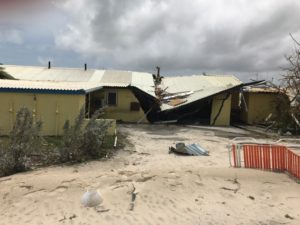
229	189
172	99
251	197
235	190
26	186
116	139
31	192
72	217
168	96
103	210
144	179
157	77
91	199
121	181
133	197
62	219
193	149
143	153
288	216
117	187
175	102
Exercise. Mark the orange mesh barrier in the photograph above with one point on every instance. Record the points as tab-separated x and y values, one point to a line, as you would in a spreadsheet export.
267	157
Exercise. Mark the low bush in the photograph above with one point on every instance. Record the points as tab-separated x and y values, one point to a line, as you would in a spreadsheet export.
81	142
72	140
23	140
25	147
93	137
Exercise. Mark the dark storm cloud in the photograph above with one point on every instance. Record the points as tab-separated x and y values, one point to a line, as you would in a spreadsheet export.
191	36
240	36
272	28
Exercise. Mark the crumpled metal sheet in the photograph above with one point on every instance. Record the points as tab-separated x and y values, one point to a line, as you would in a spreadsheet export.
192	149
195	149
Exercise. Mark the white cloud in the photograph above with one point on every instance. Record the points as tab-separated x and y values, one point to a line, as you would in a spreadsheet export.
12	36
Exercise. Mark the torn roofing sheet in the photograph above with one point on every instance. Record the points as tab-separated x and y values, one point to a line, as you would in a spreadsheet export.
192	149
199	85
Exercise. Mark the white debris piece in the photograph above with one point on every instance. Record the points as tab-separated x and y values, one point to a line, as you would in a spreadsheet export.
91	199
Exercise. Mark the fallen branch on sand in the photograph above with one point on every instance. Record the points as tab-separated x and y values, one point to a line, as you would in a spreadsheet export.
235	190
102	210
70	218
144	179
133	197
120	186
288	217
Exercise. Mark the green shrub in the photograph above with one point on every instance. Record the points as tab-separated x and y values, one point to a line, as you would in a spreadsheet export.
6	162
23	140
82	143
72	140
94	135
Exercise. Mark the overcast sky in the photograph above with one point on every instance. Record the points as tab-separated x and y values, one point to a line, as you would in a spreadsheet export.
238	37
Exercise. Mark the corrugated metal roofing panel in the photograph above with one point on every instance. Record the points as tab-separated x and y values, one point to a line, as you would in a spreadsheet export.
202	86
116	78
196	149
97	76
48	85
143	81
45	74
192	149
112	78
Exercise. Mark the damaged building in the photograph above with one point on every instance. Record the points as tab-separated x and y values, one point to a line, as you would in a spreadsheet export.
189	99
141	97
261	104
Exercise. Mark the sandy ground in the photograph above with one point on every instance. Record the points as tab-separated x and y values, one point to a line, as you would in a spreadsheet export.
170	189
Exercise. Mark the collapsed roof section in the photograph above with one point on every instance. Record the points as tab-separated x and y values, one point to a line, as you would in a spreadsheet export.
183	90
185	97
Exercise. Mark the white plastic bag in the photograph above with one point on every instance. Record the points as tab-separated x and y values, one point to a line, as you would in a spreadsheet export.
91	199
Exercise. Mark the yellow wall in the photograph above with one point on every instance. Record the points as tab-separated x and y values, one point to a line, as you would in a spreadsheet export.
224	117
122	110
260	105
52	109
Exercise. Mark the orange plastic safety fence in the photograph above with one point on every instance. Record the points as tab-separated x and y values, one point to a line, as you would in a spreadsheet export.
268	157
